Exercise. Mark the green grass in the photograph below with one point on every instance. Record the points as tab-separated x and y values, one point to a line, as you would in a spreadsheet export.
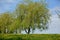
30	37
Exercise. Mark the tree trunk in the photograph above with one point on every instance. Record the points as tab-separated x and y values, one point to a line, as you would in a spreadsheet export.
0	31
28	30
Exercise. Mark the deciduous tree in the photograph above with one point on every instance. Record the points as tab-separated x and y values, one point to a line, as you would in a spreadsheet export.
32	15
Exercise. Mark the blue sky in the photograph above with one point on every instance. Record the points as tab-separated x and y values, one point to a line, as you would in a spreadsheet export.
53	3
54	27
10	5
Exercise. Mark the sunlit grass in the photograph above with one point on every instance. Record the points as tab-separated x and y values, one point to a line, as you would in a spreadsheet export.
30	37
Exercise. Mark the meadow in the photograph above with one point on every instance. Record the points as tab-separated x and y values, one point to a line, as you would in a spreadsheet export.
29	36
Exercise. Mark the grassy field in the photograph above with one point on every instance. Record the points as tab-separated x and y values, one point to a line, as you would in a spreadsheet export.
30	37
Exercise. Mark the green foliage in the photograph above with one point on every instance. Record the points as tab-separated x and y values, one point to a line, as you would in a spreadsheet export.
14	25
28	15
33	15
5	21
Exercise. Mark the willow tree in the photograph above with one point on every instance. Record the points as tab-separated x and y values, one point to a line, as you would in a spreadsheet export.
5	21
32	15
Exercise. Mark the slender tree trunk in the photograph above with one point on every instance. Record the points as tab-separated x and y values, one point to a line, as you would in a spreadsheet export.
0	31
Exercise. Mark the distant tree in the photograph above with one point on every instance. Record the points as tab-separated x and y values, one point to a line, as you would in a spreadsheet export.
58	13
5	21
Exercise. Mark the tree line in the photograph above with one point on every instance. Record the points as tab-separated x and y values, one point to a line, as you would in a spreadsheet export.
28	16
